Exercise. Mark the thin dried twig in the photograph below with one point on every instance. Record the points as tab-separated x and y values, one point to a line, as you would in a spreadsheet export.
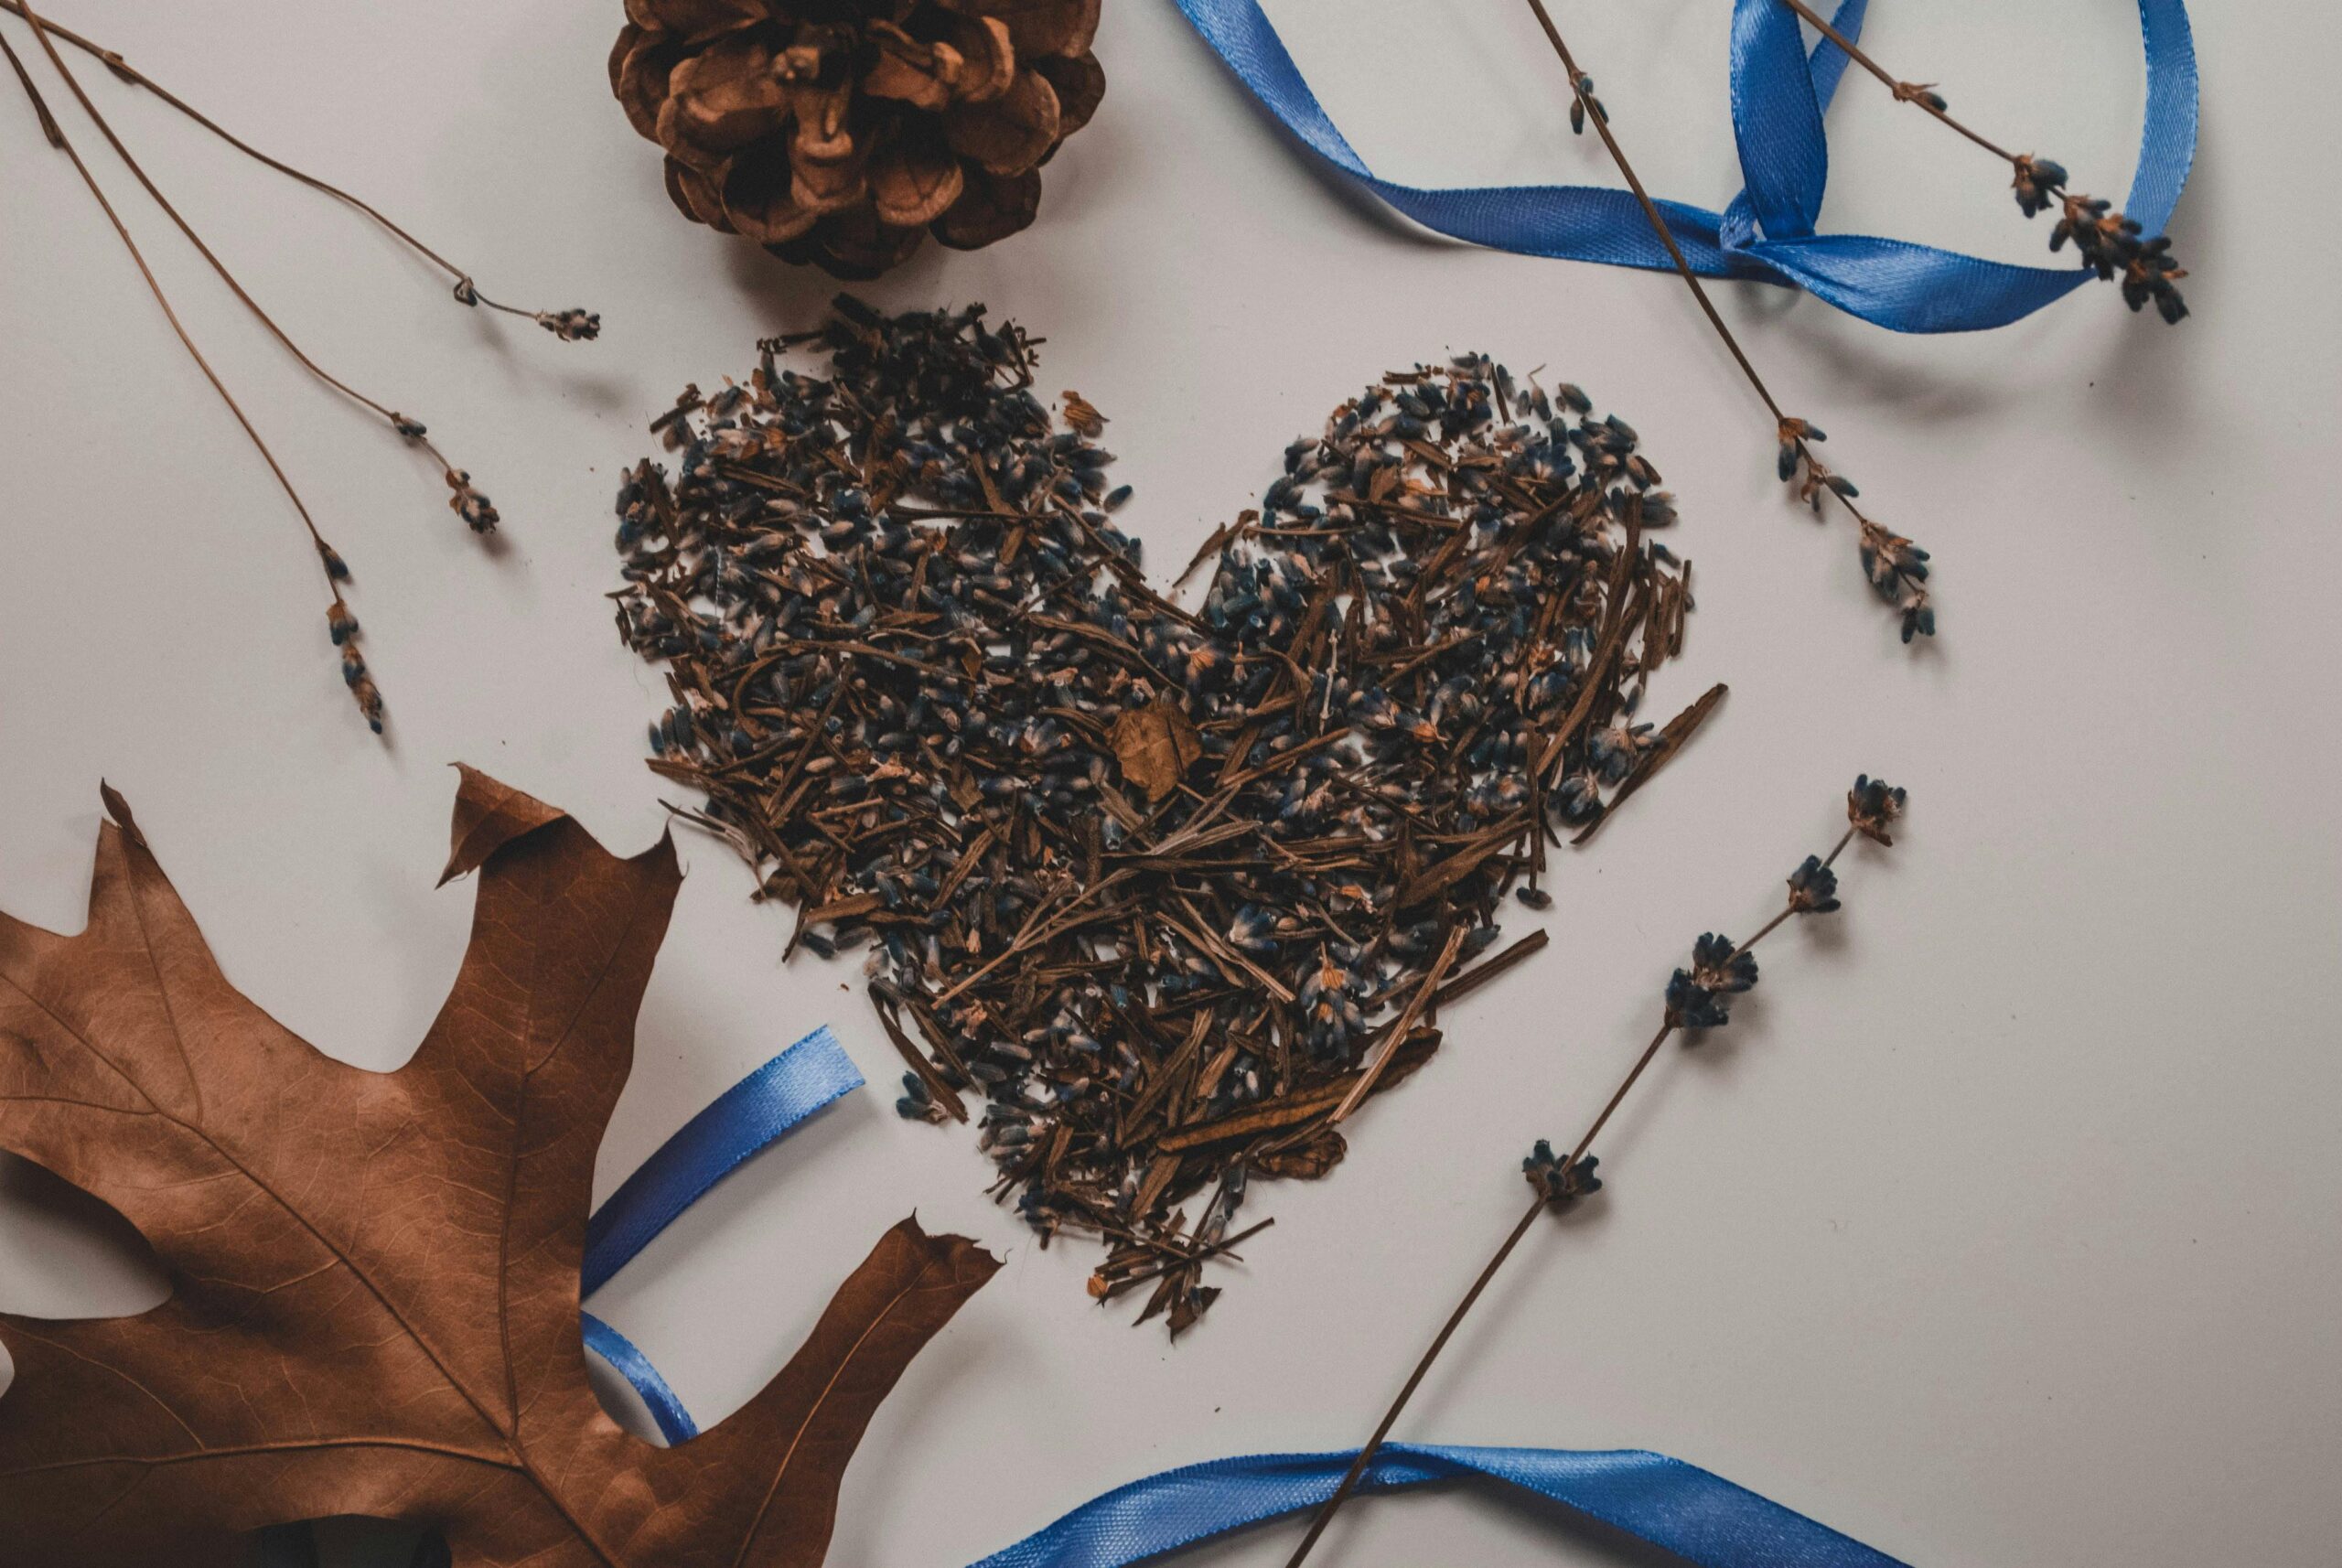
343	626
465	499
1897	569
1697	1000
567	323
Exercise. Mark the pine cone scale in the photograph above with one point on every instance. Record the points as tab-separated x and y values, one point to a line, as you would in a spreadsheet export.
984	43
724	98
1079	82
910	186
759	198
1039	26
696	197
991	208
695	21
1011	134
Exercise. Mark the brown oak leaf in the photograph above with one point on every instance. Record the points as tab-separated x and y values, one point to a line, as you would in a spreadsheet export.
375	1275
1155	746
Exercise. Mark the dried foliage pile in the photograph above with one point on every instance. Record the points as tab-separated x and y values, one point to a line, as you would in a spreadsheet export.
1172	891
842	134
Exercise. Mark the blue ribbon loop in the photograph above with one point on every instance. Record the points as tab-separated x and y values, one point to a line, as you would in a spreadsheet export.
762	1108
675	1423
1699	1517
1767	233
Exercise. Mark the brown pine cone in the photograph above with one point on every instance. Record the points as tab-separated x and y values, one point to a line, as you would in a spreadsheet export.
839	131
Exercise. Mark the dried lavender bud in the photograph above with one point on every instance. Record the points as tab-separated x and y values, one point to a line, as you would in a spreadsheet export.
1794	433
1871	805
412	429
1691	1005
1560	1185
1921	93
362	689
1615	749
1254	930
1696	997
370	701
478	513
1813	889
2037	183
1577	797
1889	560
1583	96
336	567
1720	965
916	1104
2148	273
340	625
571	326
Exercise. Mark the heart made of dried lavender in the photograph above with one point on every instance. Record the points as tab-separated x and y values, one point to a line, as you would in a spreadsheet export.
1172	892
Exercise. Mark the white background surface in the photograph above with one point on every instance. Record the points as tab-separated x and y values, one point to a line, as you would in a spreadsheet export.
2001	1229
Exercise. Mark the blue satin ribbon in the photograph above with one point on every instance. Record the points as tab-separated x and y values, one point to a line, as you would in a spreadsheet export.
1699	1517
759	1110
1779	93
675	1423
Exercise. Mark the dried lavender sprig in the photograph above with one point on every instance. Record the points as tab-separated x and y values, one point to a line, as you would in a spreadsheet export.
569	325
329	560
2109	243
572	326
1896	567
1697	999
467	502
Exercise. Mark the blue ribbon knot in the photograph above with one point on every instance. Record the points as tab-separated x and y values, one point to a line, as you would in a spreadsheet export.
1781	93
